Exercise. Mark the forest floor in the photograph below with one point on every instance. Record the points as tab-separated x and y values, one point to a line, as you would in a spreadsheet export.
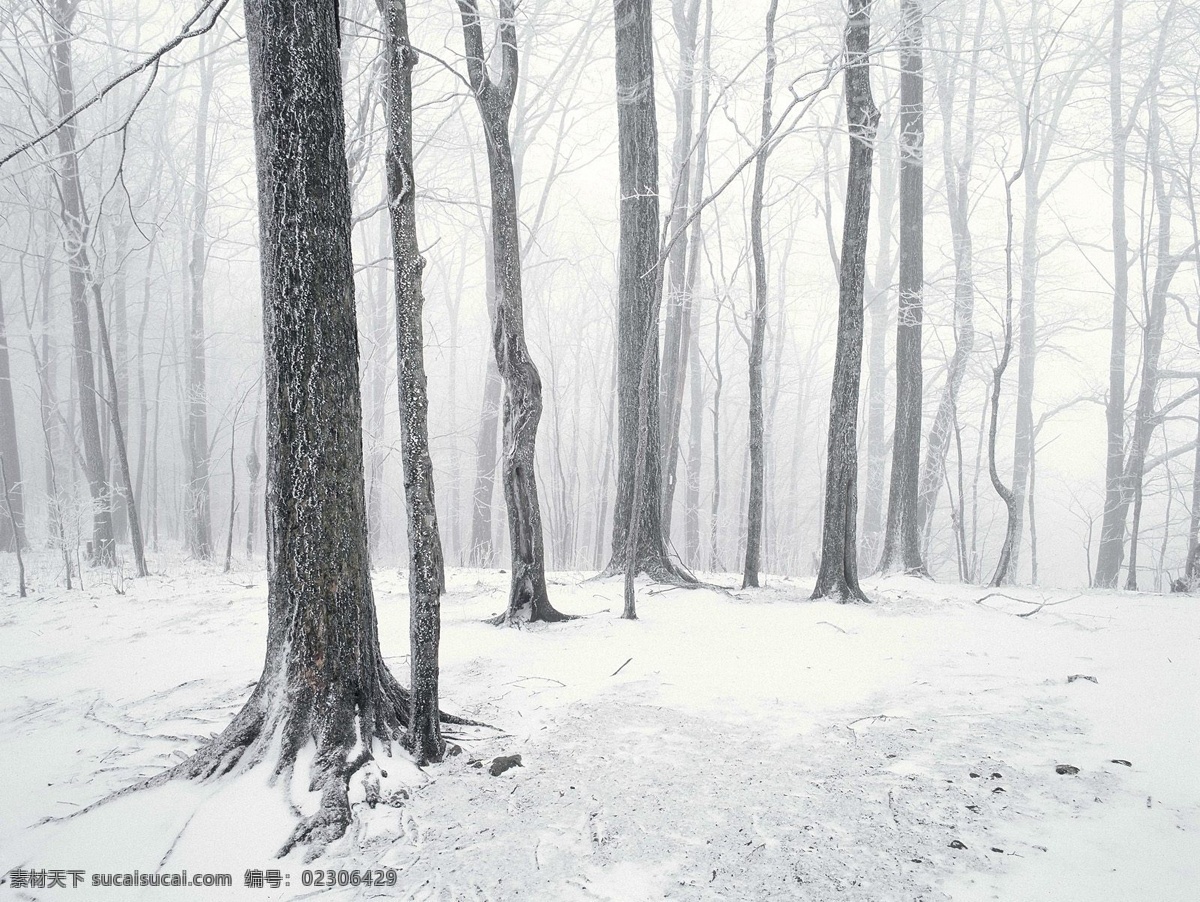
742	745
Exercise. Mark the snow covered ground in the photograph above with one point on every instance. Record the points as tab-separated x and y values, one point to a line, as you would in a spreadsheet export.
728	745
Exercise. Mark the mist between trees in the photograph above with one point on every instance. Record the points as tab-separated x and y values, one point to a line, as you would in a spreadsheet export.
703	241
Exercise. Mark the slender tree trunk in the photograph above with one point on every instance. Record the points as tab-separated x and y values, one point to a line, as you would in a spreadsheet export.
878	312
253	468
199	506
377	369
758	324
714	517
12	528
1147	418
902	537
426	573
528	598
958	179
119	316
1112	529
114	406
75	239
16	524
1004	574
838	573
483	552
691	337
674	367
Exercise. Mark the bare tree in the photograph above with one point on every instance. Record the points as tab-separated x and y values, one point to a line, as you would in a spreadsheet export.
638	292
838	573
12	527
902	536
324	681
758	325
76	230
528	598
426	575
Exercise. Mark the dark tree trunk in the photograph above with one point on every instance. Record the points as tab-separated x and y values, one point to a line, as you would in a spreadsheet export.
324	682
426	576
838	573
528	598
198	509
75	238
758	324
12	524
638	291
902	535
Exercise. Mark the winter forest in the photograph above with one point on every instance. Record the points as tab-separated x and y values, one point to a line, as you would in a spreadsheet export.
480	449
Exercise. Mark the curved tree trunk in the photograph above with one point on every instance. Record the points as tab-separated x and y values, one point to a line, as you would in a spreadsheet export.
958	176
838	573
528	598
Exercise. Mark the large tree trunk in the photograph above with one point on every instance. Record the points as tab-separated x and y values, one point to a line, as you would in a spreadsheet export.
638	289
75	238
426	575
686	15
758	323
324	682
902	536
198	508
838	573
528	598
12	524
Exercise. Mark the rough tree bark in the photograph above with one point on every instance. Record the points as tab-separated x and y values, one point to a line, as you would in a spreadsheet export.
638	291
902	535
198	508
528	598
426	574
758	323
75	238
838	573
324	682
